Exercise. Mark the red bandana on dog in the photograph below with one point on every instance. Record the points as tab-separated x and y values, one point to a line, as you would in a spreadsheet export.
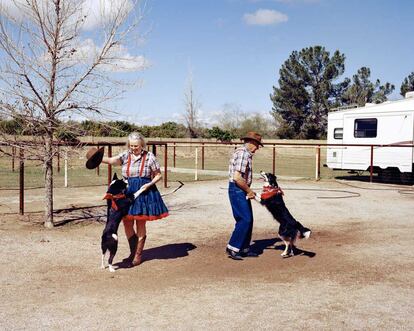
113	198
269	191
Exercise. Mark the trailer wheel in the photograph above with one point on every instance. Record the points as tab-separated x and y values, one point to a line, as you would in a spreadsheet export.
389	175
407	178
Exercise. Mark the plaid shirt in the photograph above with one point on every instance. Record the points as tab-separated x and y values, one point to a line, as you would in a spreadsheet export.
241	161
150	166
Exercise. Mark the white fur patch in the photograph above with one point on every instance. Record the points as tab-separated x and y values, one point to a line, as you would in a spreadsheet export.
111	268
114	236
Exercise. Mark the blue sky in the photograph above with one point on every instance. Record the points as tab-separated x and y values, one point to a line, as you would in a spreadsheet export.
234	62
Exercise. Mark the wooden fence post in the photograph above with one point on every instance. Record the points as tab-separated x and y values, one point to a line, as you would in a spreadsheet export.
21	182
196	164
174	155
97	168
58	158
202	156
13	157
166	166
66	168
109	166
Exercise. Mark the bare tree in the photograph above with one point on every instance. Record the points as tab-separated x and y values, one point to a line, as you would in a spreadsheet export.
57	61
192	107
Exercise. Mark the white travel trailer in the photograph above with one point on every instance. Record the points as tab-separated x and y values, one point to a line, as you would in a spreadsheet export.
387	123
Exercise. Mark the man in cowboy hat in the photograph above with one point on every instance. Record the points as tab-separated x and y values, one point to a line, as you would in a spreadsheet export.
240	195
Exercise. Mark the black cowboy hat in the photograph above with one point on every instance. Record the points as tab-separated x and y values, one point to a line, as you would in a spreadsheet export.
253	136
94	157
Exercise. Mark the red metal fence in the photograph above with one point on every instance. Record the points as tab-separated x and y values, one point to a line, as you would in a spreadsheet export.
287	158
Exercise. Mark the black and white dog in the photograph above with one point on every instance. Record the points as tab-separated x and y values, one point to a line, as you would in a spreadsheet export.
290	229
118	205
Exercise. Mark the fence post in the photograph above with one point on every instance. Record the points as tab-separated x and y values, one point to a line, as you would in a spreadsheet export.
154	149
21	182
371	167
317	162
202	156
13	156
97	168
196	164
109	166
58	158
165	165
174	155
274	159
66	168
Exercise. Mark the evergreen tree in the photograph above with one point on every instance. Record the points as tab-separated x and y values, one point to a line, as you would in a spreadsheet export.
407	85
362	90
306	92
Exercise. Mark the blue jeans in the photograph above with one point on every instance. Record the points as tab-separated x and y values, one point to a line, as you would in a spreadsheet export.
243	214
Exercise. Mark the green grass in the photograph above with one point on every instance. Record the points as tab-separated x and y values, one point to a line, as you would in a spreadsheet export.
290	161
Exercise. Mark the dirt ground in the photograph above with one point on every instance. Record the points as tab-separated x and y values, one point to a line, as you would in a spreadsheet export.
356	271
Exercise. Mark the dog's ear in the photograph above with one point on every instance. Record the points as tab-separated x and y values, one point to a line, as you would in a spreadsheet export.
115	177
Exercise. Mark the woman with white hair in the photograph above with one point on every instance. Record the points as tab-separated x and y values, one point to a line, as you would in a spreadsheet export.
142	170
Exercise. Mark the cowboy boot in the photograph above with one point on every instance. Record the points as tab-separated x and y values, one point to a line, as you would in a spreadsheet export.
138	255
132	241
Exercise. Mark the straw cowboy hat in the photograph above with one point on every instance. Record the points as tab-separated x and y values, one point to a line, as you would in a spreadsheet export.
94	157
253	136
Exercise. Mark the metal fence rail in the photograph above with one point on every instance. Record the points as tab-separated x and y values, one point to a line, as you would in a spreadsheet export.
197	159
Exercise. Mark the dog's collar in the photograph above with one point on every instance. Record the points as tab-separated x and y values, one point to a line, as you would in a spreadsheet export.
270	191
113	198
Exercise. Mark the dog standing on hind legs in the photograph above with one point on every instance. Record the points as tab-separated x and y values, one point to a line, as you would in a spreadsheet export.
290	229
118	205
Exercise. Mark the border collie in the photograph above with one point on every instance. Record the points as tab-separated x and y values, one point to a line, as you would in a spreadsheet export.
118	205
289	229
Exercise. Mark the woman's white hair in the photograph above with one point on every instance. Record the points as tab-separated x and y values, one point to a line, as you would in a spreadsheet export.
137	136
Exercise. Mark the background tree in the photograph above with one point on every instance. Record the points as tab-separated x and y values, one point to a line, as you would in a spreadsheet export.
407	84
258	123
220	134
362	90
230	118
57	60
169	130
192	107
307	90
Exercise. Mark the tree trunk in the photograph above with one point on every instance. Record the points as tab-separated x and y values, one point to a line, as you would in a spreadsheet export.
48	164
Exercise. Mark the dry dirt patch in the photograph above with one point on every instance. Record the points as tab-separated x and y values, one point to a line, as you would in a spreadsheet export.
356	272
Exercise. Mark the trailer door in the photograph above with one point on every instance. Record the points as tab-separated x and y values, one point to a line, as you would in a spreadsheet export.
335	136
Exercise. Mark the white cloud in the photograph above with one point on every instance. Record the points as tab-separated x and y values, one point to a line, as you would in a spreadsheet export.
119	59
95	12
265	17
99	12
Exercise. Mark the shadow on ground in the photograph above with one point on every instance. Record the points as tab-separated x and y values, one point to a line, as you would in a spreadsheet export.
260	245
165	252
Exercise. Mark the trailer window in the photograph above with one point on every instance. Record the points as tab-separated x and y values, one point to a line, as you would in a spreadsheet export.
365	128
338	133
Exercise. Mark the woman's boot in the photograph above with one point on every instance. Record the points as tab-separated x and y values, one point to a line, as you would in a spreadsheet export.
138	255
132	241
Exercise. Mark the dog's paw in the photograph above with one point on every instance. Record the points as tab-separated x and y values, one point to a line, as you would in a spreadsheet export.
102	267
307	234
287	254
111	269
